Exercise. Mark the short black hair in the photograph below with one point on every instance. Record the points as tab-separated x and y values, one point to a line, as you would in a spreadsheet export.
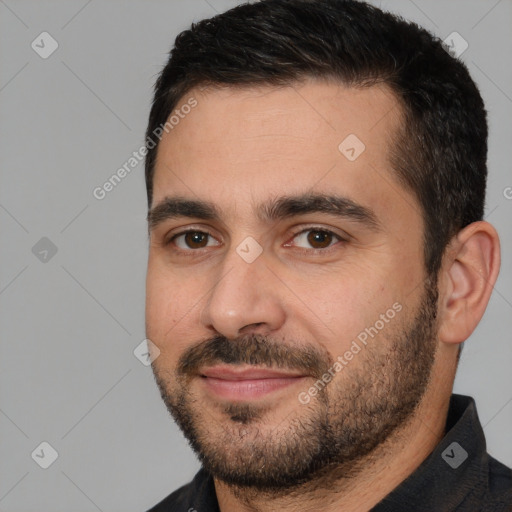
440	149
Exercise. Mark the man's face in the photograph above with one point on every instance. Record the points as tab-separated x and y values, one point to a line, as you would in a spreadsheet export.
286	286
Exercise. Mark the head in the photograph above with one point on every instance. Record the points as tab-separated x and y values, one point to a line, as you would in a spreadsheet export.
315	216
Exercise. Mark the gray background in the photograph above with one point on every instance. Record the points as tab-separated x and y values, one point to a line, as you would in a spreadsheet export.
69	325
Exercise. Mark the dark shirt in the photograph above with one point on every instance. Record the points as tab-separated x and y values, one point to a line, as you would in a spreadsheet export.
459	475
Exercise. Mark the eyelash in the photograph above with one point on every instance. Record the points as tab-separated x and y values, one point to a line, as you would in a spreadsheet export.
192	252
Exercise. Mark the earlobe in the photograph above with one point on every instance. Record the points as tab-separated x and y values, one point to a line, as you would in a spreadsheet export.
469	274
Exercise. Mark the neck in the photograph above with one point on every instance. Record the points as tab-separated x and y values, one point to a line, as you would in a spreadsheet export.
375	477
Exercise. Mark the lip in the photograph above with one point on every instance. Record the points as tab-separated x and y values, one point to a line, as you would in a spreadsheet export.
243	384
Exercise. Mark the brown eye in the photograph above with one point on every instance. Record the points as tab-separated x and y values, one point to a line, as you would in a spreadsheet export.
193	240
320	239
196	239
315	239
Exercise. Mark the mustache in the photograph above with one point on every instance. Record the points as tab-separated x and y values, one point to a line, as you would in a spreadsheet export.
254	350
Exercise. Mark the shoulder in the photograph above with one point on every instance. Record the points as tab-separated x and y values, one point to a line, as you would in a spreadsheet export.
198	495
177	501
492	492
500	486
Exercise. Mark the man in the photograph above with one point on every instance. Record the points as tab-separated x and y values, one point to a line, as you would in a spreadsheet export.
316	178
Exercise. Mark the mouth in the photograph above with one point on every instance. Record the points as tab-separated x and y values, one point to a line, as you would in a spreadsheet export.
247	383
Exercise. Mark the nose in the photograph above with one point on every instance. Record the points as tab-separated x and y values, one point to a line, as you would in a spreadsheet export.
244	299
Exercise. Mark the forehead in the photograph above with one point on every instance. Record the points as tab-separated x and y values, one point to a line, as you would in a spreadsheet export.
241	145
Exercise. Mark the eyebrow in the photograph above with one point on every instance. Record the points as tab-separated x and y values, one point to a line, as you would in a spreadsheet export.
275	209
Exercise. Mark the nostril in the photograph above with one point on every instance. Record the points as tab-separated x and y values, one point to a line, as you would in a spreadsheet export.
251	327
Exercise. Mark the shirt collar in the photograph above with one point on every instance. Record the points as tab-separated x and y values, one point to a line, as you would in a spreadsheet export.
456	468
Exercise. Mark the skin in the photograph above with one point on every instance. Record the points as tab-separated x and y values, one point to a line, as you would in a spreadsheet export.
241	147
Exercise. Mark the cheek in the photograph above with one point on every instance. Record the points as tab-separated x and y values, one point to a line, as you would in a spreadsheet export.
156	301
341	305
173	306
166	305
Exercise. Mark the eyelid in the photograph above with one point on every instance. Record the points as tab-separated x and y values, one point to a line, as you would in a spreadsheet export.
183	231
186	229
343	237
168	239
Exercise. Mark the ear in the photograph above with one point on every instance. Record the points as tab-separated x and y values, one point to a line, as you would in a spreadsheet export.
468	275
